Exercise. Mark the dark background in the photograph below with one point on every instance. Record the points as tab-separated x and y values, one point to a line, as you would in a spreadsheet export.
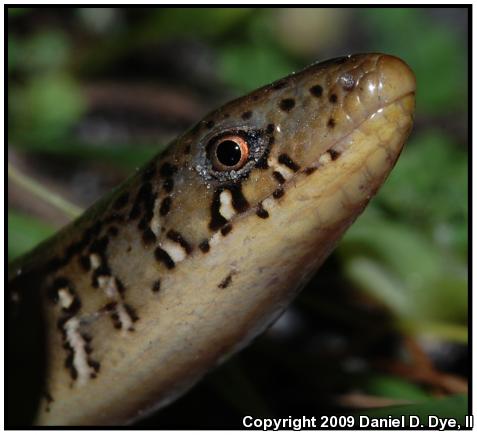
93	93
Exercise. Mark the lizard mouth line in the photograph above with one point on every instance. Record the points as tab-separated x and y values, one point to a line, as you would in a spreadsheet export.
316	163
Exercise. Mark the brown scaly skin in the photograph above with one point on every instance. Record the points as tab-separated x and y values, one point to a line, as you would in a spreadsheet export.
126	308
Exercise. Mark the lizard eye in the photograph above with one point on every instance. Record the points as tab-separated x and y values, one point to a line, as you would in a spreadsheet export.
229	153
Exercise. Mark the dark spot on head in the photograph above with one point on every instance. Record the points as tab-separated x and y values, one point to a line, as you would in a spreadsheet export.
148	236
85	262
333	154
99	245
168	170
316	90
287	104
278	193
310	170
285	159
226	281
270	128
72	250
279	85
239	202
261	212
54	264
102	270
333	98
226	229
119	286
149	172
156	285
168	185
187	149
113	217
164	258
132	312
209	124
113	230
247	115
110	306
144	192
204	246
331	123
95	365
93	230
255	97
115	319
145	196
149	203
165	205
178	238
121	201
279	177
135	211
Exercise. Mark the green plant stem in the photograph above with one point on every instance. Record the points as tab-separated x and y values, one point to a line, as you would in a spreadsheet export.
66	207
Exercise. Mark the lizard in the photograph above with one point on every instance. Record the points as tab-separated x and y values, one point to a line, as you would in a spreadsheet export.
200	250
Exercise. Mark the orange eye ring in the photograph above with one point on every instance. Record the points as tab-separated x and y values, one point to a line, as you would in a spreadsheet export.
230	153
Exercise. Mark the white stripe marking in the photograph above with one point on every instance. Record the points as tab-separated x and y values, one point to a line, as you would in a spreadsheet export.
175	250
95	260
324	159
285	171
155	223
78	345
66	298
226	208
124	317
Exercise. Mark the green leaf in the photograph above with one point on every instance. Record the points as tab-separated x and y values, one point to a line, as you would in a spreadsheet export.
126	156
204	22
25	232
248	66
45	109
428	189
419	282
449	407
13	47
393	387
13	12
44	52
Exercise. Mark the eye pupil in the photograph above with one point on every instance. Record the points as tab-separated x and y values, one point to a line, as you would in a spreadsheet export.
229	153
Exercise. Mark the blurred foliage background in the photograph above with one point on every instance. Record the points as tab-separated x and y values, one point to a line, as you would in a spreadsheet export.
95	92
